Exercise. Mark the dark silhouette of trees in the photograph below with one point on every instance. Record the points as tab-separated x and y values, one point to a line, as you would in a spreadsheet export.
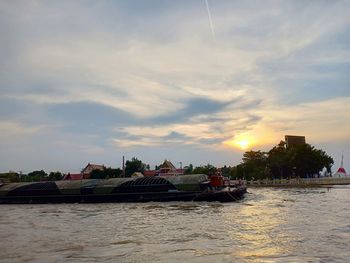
35	176
283	162
106	173
55	176
308	161
206	169
135	165
189	169
254	164
11	177
278	161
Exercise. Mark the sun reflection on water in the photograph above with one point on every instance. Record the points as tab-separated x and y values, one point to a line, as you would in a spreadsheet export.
256	235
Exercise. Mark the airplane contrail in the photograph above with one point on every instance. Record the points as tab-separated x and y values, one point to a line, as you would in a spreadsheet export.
210	20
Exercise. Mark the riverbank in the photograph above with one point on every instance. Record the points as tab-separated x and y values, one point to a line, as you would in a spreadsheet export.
299	182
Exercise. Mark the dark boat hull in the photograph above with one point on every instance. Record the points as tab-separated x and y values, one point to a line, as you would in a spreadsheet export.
223	195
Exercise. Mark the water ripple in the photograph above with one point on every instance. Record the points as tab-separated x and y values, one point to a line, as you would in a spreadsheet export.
269	225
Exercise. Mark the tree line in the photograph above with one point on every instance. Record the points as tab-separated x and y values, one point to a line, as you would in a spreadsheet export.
283	162
279	162
34	176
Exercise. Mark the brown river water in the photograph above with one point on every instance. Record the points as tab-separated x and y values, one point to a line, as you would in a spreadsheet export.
269	225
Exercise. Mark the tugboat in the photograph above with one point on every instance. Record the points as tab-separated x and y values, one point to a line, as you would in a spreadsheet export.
196	187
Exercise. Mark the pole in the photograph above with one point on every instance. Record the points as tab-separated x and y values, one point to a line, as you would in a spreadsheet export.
123	166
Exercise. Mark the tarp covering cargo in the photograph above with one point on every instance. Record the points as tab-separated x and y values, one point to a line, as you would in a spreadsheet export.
101	186
4	189
190	182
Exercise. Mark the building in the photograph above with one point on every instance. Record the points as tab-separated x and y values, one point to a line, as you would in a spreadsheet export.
150	172
85	173
90	167
341	171
293	140
79	176
137	174
166	169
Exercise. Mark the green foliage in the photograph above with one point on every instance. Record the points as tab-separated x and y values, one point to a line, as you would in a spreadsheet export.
55	176
135	165
106	173
206	169
10	177
282	162
40	173
97	174
35	176
189	169
254	164
115	173
278	161
225	171
307	161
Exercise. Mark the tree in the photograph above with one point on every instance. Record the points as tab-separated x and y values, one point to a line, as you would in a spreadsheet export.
113	172
133	166
278	161
55	176
254	164
282	162
206	169
36	176
106	173
98	174
189	169
12	177
308	161
225	171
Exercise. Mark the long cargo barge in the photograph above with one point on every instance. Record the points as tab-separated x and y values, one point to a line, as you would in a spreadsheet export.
145	189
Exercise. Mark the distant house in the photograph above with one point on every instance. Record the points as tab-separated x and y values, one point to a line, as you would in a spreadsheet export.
79	176
166	169
137	174
90	167
150	173
85	173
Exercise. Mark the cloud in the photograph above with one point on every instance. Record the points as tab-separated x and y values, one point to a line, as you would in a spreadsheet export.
194	107
121	74
89	116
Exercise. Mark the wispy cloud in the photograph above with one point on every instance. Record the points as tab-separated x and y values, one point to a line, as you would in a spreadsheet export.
139	76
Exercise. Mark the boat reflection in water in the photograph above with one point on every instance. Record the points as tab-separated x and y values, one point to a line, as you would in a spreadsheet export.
197	187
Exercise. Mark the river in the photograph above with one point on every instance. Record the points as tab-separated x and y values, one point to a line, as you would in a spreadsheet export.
269	225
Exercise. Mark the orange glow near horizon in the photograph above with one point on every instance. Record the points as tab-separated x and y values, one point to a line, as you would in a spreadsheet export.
258	136
243	142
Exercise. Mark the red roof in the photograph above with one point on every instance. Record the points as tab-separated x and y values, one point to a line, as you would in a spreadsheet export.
90	167
80	176
341	170
150	173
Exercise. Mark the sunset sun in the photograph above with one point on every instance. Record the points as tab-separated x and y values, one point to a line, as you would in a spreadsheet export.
243	143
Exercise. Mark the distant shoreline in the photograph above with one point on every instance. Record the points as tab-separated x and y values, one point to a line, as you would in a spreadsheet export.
300	182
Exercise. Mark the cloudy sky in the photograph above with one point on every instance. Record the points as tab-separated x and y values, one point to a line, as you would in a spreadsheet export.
90	81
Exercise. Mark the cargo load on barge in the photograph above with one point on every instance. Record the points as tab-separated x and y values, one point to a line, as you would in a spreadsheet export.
197	187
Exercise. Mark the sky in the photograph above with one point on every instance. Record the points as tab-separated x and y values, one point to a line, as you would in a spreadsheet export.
190	81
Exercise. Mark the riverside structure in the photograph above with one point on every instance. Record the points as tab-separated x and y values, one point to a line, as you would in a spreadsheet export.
299	182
